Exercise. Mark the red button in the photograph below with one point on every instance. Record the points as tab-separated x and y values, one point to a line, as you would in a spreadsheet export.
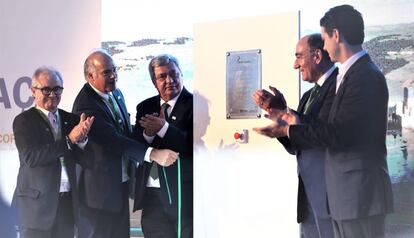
237	135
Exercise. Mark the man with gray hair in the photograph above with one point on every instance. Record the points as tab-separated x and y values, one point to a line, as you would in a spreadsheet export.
166	121
48	141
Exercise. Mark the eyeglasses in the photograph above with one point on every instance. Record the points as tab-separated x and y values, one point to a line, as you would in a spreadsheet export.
47	90
173	74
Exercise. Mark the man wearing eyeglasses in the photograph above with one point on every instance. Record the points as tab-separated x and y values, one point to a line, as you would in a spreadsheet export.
49	141
105	177
166	121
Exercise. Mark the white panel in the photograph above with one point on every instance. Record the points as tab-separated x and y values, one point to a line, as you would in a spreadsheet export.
57	33
244	190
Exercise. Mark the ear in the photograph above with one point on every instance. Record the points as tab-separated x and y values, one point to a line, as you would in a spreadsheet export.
33	91
90	76
317	56
336	35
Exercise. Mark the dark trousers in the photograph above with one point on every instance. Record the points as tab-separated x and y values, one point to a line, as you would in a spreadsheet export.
97	223
63	226
368	227
159	221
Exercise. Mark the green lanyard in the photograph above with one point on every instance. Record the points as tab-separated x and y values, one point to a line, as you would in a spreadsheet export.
179	194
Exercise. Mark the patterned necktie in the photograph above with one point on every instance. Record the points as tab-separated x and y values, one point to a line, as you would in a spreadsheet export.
121	127
312	97
117	112
154	169
53	122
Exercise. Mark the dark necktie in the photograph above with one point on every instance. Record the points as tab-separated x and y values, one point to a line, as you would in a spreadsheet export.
165	107
312	97
154	169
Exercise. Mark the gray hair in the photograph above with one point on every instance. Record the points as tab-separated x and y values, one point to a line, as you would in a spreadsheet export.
45	70
89	66
161	60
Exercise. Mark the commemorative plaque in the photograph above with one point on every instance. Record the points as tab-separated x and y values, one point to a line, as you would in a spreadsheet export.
243	78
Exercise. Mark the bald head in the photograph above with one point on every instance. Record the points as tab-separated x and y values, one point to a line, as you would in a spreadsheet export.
100	71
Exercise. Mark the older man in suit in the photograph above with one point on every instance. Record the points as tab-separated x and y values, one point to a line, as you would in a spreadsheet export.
104	206
46	193
166	121
316	67
358	185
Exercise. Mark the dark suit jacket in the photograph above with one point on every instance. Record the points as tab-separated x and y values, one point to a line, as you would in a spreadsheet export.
38	181
311	162
100	181
358	184
179	137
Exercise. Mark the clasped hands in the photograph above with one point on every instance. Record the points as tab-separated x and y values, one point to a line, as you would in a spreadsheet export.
81	130
277	111
152	123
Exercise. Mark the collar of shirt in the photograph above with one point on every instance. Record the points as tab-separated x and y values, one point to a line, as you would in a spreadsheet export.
104	96
172	102
326	75
343	68
46	112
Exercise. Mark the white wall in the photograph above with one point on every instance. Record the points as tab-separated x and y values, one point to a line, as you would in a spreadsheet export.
58	33
248	191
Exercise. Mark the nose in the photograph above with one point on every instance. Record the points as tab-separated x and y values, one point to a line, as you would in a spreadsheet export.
296	64
113	74
169	79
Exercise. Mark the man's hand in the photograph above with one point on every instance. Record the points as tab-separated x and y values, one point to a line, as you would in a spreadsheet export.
273	130
282	119
266	100
152	123
81	130
164	157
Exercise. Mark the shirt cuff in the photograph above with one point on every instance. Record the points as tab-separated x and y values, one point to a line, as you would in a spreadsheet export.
83	143
288	131
149	139
163	130
147	155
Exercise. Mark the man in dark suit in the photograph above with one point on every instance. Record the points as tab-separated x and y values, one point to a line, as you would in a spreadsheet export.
166	121
316	67
357	181
46	193
104	206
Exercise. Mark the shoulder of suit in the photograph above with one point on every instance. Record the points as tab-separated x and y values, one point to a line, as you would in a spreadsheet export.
66	114
28	113
186	96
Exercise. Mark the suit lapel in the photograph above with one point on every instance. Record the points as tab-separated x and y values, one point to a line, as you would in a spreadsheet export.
64	123
303	101
315	106
99	101
121	103
37	115
342	87
178	109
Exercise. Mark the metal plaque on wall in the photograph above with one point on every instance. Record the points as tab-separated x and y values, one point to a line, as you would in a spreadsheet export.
243	78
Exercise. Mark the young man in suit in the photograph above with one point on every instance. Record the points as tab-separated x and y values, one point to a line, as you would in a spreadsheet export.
316	67
104	177
166	121
357	181
46	192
